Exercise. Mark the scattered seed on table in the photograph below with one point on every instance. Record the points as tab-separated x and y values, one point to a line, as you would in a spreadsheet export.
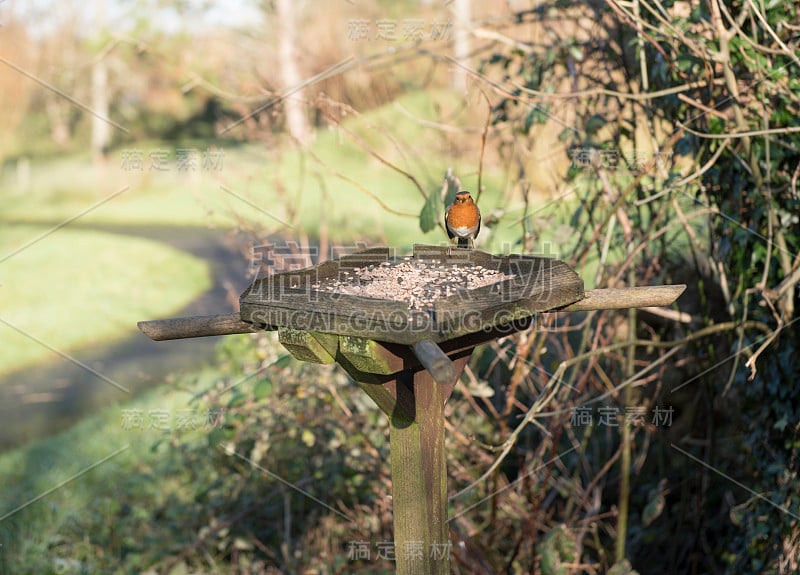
417	283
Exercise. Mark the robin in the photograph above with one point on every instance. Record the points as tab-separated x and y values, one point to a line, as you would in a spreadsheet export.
463	220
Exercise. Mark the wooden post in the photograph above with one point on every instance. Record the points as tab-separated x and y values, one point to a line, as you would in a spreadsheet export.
419	474
414	403
419	478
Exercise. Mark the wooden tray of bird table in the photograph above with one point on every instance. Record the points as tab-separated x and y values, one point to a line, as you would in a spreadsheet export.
426	296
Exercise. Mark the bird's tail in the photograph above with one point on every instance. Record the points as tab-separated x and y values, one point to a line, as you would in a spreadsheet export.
463	242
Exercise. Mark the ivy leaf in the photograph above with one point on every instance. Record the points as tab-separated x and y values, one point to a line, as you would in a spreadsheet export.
431	213
238	399
595	123
557	548
480	388
622	568
283	361
537	115
262	389
655	504
219	435
433	210
576	52
308	438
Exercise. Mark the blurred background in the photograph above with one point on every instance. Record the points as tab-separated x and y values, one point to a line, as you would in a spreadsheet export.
157	155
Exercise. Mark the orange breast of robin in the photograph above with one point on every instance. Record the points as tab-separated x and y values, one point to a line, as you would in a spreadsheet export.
463	215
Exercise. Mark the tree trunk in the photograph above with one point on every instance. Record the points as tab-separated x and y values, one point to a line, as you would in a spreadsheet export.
101	129
296	121
461	45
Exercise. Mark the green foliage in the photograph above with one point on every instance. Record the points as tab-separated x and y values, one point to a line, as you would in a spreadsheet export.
431	214
557	548
655	505
298	454
752	178
717	211
622	568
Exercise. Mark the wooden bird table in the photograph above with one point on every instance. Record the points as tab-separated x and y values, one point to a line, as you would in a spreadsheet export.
408	355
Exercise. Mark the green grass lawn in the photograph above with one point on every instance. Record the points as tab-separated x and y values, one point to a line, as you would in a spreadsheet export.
273	188
76	287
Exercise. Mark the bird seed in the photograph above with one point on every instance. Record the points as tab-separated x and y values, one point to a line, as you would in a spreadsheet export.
418	283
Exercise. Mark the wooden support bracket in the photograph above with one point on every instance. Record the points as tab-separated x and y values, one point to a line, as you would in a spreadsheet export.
435	361
309	346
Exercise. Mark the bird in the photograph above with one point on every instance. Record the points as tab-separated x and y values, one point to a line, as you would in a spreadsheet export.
462	219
